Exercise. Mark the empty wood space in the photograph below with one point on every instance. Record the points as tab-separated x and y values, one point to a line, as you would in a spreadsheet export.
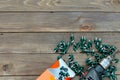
31	29
60	5
59	22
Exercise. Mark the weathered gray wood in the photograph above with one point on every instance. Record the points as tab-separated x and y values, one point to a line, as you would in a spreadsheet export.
60	5
27	64
46	42
59	22
30	78
33	64
18	78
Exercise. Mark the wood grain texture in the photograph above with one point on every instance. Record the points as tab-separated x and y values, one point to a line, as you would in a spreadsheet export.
46	42
26	50
18	78
59	22
60	5
33	64
31	78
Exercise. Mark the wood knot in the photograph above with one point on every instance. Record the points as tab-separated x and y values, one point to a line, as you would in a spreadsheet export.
51	11
115	1
1	34
86	27
7	67
58	1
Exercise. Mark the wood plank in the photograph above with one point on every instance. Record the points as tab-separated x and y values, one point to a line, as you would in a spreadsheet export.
60	5
18	78
46	42
59	22
33	64
29	78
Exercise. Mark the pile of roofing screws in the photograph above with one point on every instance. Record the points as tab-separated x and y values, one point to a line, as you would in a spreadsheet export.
85	46
63	73
75	66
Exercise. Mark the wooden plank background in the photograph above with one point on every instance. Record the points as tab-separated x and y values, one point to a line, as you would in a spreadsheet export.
30	30
59	22
60	5
46	42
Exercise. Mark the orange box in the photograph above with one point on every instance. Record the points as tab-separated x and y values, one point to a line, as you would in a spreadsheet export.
52	73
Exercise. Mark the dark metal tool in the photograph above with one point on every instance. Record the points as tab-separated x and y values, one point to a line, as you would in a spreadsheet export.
96	72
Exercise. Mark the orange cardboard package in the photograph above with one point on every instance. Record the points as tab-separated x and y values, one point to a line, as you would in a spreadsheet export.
52	73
